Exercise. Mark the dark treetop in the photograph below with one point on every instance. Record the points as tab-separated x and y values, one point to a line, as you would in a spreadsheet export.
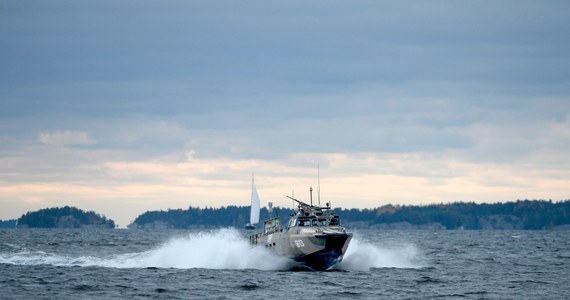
522	214
8	223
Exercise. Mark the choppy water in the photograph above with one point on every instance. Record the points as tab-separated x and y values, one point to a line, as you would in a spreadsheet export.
219	264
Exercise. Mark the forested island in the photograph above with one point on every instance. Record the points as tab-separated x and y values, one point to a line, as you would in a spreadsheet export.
64	217
521	214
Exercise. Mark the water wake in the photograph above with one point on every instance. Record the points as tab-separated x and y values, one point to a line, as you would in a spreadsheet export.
220	249
363	256
223	249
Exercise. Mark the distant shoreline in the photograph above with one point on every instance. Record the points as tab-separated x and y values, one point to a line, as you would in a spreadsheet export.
516	215
522	214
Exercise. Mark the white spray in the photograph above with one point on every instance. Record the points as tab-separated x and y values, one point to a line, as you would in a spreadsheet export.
224	249
220	249
362	256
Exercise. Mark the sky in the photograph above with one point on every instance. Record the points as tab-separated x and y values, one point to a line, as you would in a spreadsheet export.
126	106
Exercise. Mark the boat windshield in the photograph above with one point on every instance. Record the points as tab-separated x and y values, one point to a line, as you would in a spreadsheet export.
305	222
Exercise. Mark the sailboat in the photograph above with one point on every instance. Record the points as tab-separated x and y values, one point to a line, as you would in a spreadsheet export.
255	206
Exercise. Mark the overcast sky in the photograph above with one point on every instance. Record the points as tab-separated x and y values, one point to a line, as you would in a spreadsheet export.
126	106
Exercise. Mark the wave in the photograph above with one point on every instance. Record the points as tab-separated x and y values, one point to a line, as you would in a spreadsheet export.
363	256
219	249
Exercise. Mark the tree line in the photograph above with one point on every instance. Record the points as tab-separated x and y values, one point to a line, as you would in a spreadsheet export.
8	223
521	214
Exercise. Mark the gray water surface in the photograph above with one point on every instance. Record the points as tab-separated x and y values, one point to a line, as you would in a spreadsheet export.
219	264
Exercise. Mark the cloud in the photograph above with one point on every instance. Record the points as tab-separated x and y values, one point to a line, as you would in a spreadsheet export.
181	101
66	138
361	180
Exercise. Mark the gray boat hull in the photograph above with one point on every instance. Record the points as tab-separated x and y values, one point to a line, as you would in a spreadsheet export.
314	249
328	257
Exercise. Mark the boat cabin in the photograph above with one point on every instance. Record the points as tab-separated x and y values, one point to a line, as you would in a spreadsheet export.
314	221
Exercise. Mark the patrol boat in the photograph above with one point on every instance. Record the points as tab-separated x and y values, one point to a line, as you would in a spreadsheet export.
313	237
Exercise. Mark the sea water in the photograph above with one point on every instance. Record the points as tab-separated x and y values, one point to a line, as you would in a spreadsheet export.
220	264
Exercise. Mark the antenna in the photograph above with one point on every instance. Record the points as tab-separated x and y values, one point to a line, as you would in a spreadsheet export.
292	198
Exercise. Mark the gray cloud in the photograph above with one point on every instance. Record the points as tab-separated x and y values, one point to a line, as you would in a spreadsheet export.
296	46
65	137
83	84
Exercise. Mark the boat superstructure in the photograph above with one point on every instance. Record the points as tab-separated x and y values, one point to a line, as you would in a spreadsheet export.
313	236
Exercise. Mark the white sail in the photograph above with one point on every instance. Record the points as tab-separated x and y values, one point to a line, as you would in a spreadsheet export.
254	215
